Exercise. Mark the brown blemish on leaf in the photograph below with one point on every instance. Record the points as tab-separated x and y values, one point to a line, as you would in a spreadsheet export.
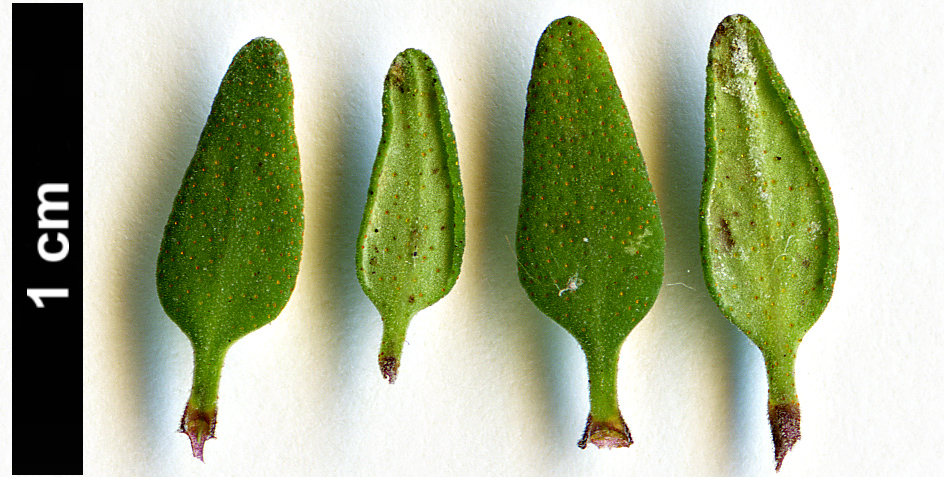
396	76
725	235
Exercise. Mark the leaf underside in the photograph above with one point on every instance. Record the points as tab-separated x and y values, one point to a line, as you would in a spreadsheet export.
769	233
412	236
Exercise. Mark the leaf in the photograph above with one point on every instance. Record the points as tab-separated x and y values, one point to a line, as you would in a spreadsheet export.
409	252
590	242
232	244
769	234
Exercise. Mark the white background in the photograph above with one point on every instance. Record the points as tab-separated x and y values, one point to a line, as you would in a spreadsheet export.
488	385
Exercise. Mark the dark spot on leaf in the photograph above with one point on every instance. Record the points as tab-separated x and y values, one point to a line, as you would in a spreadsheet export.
725	235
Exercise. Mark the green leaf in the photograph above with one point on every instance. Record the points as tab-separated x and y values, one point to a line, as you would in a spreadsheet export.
412	236
233	242
769	234
590	242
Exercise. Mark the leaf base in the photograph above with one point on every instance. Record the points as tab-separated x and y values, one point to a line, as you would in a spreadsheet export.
605	434
389	365
785	425
200	426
